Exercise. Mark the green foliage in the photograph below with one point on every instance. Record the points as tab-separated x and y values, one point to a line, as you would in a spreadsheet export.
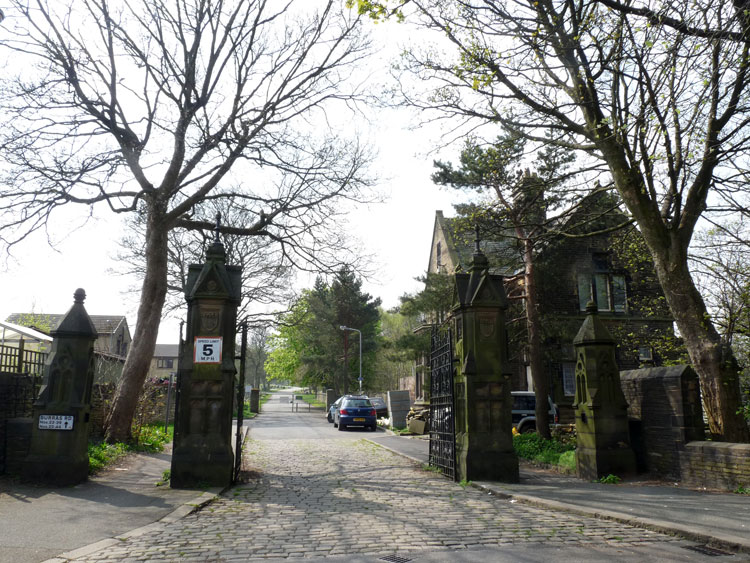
37	321
309	346
533	447
430	468
742	490
165	477
102	454
609	479
151	438
568	460
379	11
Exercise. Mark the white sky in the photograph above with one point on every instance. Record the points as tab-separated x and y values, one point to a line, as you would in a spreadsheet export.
397	232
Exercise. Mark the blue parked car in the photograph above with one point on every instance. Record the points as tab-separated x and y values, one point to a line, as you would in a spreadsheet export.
333	409
355	411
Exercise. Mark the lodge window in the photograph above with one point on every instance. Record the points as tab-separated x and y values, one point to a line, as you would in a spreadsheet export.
604	288
167	363
569	379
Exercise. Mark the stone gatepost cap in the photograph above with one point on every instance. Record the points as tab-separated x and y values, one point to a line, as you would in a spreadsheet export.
592	330
76	322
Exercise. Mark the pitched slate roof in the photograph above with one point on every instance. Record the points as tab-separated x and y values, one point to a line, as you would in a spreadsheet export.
167	351
503	253
104	324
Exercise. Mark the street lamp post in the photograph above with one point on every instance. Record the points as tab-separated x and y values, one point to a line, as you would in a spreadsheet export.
342	327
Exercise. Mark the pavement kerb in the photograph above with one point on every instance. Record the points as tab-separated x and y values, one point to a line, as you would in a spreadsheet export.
181	511
718	540
730	543
407	456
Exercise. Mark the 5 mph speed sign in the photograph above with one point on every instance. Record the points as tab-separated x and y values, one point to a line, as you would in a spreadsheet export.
207	350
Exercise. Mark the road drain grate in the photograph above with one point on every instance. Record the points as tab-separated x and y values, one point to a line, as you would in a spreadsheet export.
705	550
395	559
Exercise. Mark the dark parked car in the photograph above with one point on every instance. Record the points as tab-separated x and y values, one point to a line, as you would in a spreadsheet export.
381	409
524	411
355	411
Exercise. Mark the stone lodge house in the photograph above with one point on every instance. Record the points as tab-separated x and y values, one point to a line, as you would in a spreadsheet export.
113	332
612	269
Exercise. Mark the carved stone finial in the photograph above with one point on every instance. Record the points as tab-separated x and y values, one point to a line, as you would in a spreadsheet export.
79	296
591	308
476	239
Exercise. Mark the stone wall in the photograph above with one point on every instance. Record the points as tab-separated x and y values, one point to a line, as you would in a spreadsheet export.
16	395
18	441
665	413
151	405
667	431
715	465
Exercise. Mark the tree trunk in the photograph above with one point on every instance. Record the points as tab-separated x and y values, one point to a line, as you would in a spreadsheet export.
714	363
534	327
138	362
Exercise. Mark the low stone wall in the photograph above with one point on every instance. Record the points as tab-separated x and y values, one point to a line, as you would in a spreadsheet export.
715	465
18	442
16	397
667	431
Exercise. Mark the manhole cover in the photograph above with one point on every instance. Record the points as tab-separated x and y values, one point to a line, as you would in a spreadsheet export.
705	550
395	559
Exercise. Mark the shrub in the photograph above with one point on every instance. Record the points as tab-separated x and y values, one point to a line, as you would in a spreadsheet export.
568	460
150	438
102	454
535	448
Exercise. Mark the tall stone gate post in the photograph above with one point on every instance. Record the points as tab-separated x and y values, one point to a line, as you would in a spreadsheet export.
484	442
202	454
59	436
600	408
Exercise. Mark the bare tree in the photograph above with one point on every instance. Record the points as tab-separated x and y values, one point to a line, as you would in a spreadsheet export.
267	274
153	106
657	97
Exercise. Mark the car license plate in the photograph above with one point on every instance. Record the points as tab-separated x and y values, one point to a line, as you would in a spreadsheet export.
359	420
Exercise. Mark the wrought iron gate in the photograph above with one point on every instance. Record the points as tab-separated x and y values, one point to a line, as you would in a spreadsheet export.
442	428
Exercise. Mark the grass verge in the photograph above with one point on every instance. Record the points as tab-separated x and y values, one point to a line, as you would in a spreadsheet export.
312	400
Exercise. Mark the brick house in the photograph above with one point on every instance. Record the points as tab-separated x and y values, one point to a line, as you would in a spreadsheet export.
165	361
613	269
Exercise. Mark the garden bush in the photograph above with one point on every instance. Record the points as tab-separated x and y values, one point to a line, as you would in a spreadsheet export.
535	448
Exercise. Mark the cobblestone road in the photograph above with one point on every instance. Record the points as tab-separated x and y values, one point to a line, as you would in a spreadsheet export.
316	498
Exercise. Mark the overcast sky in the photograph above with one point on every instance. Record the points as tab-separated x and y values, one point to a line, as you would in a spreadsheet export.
397	232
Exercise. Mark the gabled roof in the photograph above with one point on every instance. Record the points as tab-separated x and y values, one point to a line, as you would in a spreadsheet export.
167	351
502	254
104	324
